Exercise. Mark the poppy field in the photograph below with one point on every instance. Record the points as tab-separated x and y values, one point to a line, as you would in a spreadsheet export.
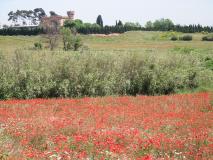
141	128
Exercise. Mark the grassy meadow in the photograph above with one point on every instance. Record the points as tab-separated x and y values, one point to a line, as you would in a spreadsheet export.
128	41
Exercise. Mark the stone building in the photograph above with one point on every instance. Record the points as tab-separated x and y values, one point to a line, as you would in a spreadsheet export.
59	19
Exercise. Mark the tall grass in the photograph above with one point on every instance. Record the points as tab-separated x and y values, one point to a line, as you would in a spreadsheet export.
44	74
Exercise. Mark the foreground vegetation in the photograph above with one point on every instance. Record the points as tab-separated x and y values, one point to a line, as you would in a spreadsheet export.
142	128
41	74
119	65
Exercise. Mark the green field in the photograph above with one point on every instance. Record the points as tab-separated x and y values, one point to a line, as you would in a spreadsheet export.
127	64
127	41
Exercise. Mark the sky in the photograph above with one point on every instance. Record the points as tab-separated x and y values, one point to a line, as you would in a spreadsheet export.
179	11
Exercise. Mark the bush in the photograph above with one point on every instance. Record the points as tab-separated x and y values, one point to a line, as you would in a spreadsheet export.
207	38
67	38
38	46
185	38
174	38
25	74
77	43
71	41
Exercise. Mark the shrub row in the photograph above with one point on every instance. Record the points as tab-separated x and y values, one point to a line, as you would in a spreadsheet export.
189	38
182	38
28	31
208	38
105	30
44	74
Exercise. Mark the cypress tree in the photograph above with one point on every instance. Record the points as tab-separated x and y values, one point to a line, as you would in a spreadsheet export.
99	21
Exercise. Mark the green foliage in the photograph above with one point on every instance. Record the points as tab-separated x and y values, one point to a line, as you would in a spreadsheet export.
186	38
70	41
77	43
24	74
209	63
174	38
149	25
163	24
21	31
98	28
168	35
67	38
99	21
208	38
166	25
38	45
77	24
119	23
69	24
26	17
133	25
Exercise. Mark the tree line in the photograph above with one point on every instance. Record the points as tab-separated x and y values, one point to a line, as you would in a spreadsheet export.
120	27
99	28
24	18
25	31
168	25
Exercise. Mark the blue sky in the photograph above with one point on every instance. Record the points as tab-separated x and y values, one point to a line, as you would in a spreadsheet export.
180	11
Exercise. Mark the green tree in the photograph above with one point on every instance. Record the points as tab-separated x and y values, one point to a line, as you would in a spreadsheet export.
16	17
119	24
71	41
99	21
26	17
12	17
149	25
67	38
77	43
131	24
163	24
77	24
39	13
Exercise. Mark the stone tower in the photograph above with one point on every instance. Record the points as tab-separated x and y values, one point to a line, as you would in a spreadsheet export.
71	14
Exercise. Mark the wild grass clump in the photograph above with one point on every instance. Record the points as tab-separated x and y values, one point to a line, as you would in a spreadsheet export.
24	74
186	38
38	46
169	34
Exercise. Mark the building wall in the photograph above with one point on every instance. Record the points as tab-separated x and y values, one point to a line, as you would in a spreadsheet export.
48	20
